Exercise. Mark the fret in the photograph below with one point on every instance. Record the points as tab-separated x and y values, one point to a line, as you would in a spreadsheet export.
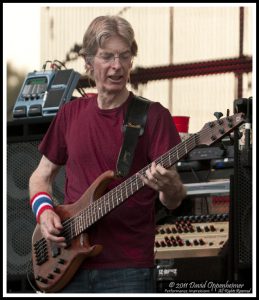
134	188
177	154
109	204
116	196
139	183
126	190
80	223
118	190
69	228
86	219
78	220
112	199
134	185
172	158
99	209
185	147
131	186
114	203
106	203
75	226
72	228
103	208
107	209
91	214
85	223
113	194
89	218
170	161
95	212
121	195
66	234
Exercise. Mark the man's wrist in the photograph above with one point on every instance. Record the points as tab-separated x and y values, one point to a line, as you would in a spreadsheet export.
41	202
173	200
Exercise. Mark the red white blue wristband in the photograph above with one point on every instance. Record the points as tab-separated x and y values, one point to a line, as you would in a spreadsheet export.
39	203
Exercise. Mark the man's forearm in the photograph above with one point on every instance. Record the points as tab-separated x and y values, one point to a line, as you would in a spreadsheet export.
173	200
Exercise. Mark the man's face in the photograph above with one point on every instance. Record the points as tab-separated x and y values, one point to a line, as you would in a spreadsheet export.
112	64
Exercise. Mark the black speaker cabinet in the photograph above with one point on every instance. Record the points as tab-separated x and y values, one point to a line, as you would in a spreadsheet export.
243	209
241	222
23	137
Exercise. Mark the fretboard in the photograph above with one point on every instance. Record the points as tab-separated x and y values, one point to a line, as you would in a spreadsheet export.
75	225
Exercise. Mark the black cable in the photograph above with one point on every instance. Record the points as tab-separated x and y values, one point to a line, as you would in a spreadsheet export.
45	65
195	175
62	64
81	91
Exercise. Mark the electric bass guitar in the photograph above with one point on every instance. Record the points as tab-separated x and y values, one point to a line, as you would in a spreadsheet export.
54	267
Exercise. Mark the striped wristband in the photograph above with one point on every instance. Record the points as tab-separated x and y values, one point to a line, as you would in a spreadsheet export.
39	203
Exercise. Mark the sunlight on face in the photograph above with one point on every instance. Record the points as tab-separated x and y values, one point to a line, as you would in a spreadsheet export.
112	65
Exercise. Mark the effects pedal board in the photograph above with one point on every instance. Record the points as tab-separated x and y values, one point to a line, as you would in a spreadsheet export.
43	92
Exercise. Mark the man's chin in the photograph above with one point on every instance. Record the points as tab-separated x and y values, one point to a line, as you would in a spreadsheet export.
115	87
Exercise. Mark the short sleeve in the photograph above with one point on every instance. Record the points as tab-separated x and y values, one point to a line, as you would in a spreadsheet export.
162	131
53	144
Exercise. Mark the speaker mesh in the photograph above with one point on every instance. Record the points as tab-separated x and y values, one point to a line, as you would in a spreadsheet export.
22	160
245	211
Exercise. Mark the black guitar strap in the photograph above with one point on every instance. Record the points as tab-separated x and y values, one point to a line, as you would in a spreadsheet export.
133	127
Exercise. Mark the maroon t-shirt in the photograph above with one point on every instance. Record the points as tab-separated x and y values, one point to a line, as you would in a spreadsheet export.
87	140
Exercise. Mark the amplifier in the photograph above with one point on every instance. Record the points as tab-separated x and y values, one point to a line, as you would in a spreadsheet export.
201	153
222	163
175	275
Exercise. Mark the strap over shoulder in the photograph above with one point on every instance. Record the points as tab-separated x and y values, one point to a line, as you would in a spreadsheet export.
133	127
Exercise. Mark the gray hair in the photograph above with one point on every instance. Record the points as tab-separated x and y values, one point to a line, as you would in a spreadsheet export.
102	28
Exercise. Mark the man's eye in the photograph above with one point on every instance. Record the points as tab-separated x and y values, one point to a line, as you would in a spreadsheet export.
125	55
107	56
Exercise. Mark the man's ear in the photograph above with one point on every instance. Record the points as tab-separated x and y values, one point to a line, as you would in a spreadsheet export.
89	64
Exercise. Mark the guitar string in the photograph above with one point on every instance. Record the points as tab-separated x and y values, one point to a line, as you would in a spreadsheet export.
101	204
165	159
69	230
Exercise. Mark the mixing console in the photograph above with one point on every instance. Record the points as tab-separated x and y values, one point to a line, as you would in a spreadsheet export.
191	237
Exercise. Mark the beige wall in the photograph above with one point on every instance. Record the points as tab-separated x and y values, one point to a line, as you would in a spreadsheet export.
198	34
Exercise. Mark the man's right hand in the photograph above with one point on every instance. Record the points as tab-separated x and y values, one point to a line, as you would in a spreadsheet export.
51	227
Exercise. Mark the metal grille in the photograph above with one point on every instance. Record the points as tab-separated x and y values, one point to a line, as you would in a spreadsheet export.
22	159
245	212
